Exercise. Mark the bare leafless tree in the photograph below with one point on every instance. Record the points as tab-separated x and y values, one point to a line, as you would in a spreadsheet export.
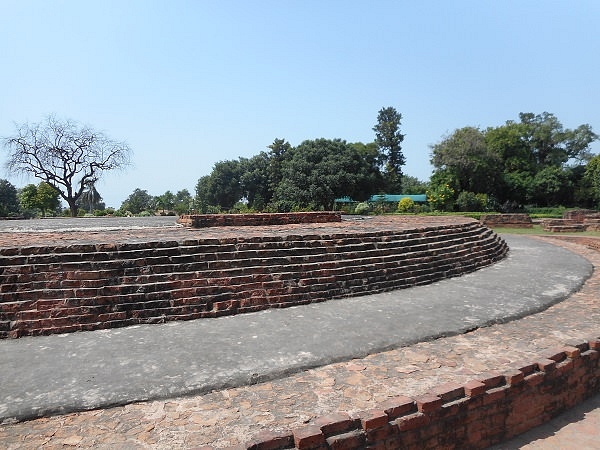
65	155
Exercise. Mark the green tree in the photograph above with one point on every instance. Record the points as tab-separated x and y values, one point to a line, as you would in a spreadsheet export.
91	198
389	140
279	152
9	200
412	185
372	181
204	197
139	200
533	161
28	197
65	155
224	187
42	197
166	202
318	172
183	202
592	178
47	197
255	181
552	145
465	157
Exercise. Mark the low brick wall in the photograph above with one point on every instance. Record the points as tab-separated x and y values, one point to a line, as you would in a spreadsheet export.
507	220
481	413
579	215
79	287
238	220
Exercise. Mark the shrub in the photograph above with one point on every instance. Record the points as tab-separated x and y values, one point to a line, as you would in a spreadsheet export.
362	208
469	201
441	198
406	205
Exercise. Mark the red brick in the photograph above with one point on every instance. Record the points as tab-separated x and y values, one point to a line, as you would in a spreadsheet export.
428	403
556	355
398	406
335	423
449	391
268	440
546	365
309	437
535	378
494	395
474	388
373	419
492	380
412	421
572	352
347	441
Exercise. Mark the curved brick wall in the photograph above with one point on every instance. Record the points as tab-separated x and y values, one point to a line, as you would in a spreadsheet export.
85	286
481	413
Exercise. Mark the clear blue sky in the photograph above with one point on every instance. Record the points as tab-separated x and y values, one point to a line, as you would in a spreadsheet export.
190	83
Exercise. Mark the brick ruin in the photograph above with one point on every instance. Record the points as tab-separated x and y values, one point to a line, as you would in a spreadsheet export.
83	286
80	287
476	415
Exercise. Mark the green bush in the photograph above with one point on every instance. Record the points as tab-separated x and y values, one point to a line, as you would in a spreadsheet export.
469	201
362	208
406	205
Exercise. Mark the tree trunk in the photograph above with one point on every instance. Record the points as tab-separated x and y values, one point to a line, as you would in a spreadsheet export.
73	207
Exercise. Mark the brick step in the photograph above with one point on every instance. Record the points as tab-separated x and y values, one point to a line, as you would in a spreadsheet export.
84	253
69	275
565	228
107	261
49	289
51	285
228	300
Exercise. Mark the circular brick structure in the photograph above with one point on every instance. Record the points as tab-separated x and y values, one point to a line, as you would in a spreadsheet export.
77	280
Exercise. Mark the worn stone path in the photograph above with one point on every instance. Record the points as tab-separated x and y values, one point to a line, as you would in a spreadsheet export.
232	416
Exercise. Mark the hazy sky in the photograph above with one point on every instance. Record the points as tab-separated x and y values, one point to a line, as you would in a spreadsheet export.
190	83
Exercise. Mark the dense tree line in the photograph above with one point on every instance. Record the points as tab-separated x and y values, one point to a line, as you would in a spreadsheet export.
310	176
31	200
140	202
535	161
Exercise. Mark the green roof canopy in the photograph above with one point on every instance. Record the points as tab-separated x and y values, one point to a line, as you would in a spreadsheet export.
387	198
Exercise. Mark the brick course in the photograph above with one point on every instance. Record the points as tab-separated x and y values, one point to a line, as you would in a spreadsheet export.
62	288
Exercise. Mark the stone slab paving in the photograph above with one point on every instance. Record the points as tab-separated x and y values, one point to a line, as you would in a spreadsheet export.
231	416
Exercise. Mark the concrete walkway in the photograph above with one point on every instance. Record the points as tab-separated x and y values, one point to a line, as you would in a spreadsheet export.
167	360
72	372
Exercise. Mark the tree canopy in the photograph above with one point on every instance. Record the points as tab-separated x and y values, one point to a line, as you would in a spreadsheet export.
42	197
9	201
534	161
64	154
389	142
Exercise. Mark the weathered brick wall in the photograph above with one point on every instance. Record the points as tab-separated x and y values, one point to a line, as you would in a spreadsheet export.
579	215
79	287
507	220
239	220
476	415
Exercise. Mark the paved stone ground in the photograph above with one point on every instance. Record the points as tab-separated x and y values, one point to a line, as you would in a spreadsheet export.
64	232
231	416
